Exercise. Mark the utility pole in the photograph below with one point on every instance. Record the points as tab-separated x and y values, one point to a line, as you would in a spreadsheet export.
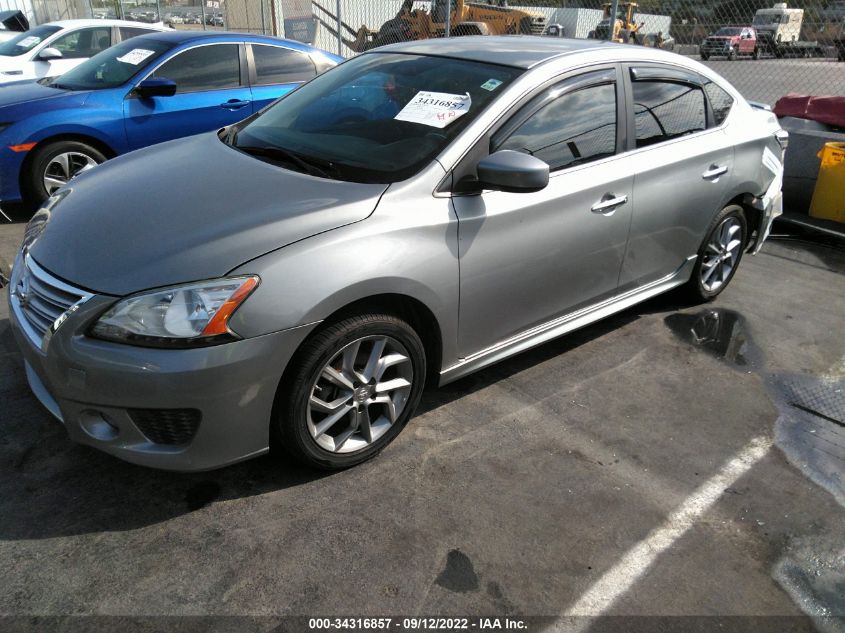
448	16
614	7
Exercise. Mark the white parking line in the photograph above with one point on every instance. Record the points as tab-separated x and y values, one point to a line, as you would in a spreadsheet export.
622	576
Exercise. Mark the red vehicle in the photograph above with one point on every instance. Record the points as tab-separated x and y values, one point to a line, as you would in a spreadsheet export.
731	42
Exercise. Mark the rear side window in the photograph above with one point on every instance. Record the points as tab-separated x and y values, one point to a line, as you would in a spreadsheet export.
212	67
665	109
127	32
720	102
577	127
277	65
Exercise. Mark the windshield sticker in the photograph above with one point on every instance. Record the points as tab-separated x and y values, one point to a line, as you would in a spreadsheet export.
135	56
32	40
435	109
491	84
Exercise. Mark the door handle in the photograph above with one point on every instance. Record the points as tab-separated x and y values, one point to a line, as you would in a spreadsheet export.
607	205
234	104
714	172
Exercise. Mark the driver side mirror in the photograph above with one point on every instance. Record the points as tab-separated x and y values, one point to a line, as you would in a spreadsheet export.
49	53
513	172
156	87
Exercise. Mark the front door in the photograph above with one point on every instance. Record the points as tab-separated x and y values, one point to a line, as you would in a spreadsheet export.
209	95
526	258
75	47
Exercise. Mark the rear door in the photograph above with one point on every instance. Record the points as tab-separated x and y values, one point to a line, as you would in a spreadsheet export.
527	258
210	93
275	71
685	168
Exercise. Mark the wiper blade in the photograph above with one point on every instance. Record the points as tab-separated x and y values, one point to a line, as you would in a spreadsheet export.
277	152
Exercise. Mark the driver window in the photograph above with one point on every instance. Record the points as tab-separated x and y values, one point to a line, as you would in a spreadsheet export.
575	128
212	67
83	43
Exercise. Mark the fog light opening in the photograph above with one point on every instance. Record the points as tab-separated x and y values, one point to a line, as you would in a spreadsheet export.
97	425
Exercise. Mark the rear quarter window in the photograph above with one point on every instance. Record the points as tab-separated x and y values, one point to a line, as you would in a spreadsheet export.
719	100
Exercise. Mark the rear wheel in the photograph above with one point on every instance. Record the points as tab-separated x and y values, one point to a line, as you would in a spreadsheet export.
55	164
352	388
756	53
719	255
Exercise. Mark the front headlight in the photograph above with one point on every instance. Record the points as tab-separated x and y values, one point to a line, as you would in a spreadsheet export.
182	316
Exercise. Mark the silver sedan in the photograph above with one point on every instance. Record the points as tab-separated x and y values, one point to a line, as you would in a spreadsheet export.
416	214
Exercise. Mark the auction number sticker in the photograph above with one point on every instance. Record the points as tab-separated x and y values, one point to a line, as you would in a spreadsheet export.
135	56
32	40
435	109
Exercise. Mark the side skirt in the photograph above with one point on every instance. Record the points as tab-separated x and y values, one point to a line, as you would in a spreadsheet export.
565	324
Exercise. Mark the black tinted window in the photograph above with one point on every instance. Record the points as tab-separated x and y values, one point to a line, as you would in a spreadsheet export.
211	67
276	65
577	127
720	102
667	109
131	31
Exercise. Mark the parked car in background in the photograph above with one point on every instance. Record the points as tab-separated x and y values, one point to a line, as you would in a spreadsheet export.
418	213
731	42
54	48
144	91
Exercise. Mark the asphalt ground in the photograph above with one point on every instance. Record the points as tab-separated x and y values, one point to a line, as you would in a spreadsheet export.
673	460
767	80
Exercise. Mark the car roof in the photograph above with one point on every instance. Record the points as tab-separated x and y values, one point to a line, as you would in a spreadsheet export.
521	51
70	24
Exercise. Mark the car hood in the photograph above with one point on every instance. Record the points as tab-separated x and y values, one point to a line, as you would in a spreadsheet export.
25	92
187	210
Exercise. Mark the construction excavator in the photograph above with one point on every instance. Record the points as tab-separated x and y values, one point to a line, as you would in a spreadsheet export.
490	17
625	29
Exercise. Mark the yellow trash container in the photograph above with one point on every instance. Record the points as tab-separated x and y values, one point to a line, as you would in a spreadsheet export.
829	196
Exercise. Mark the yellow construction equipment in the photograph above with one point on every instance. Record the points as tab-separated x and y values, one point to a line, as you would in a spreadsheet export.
625	29
490	17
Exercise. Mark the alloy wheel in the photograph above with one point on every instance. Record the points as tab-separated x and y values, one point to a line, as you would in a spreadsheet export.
721	254
65	166
359	394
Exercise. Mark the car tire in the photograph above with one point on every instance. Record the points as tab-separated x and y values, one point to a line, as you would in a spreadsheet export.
756	54
345	371
48	169
731	55
719	255
704	57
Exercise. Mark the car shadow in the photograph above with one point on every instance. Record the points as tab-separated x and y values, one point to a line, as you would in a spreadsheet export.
52	487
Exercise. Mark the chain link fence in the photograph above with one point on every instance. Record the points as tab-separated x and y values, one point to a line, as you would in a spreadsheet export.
765	49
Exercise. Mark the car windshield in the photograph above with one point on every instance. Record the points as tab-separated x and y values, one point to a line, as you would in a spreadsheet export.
729	31
377	118
114	66
25	42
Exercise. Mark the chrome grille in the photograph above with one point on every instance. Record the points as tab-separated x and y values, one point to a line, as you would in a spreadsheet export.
40	300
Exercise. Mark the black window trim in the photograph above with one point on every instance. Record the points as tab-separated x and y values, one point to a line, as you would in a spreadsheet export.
243	83
253	70
466	165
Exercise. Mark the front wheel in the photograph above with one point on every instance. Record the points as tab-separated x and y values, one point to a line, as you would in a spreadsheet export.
731	55
350	390
55	164
719	255
704	57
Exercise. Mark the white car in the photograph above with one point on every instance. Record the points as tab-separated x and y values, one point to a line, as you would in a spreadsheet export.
51	49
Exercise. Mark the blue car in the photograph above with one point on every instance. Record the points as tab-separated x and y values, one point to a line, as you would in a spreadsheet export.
146	90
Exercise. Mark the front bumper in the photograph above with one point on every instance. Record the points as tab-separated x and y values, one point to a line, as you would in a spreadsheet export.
91	386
